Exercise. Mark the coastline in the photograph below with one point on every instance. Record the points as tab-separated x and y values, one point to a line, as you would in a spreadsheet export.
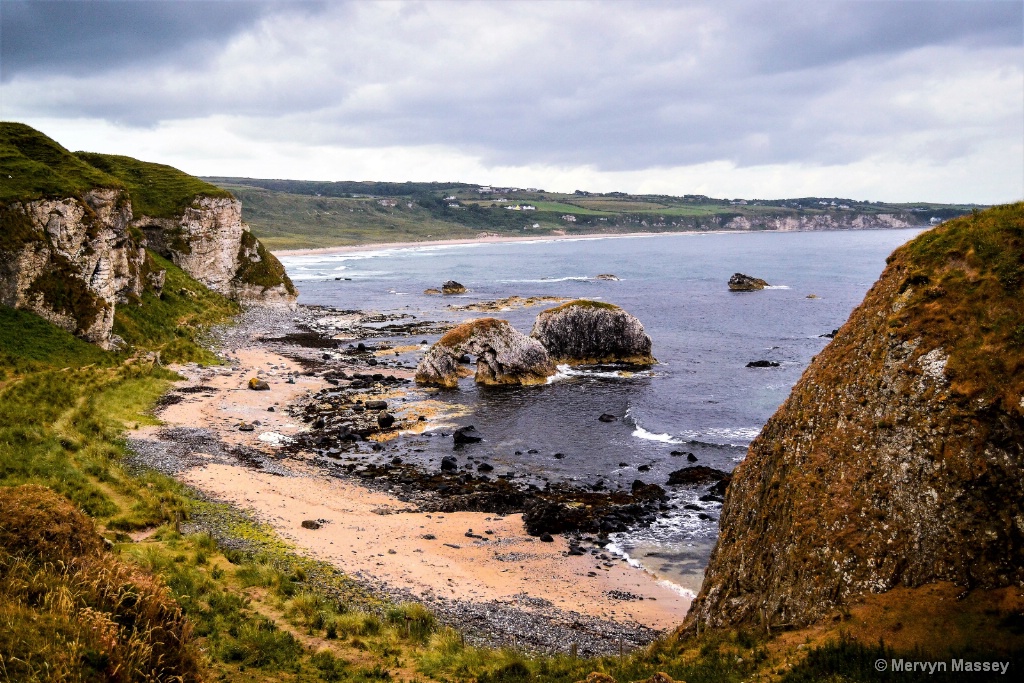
489	239
457	563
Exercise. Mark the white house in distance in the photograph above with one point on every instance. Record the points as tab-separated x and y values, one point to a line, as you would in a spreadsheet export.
569	218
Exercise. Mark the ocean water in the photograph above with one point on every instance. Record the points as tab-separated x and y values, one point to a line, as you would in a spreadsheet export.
700	398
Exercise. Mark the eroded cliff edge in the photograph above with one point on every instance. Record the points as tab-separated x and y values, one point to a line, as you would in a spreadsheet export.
75	228
897	459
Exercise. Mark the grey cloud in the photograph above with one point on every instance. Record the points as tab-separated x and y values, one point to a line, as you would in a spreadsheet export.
81	37
616	85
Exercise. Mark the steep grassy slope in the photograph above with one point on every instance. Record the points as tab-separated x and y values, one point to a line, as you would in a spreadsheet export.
897	460
32	166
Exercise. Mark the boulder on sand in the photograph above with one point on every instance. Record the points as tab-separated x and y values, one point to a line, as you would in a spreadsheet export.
503	356
586	332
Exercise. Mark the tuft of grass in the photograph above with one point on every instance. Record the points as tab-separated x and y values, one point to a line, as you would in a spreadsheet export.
467	330
582	303
72	611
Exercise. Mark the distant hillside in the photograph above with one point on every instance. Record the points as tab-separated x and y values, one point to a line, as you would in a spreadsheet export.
297	214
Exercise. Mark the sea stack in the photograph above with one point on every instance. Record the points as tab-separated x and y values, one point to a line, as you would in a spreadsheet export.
583	332
504	356
897	460
744	283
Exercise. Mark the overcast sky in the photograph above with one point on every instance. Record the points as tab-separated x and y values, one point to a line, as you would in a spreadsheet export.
899	101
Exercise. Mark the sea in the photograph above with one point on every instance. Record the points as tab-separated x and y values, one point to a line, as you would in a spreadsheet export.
700	398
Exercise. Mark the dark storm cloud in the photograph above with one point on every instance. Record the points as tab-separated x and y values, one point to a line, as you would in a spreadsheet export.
615	85
81	37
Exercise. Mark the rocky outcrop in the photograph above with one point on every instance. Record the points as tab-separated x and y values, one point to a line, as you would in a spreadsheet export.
504	356
453	287
744	283
74	229
897	459
71	260
586	332
209	241
839	220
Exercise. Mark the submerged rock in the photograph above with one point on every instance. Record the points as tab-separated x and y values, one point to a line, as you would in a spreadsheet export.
467	435
504	356
589	332
744	283
762	364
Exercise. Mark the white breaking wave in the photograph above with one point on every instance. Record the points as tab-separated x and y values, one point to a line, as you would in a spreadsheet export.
777	287
642	433
575	278
567	371
731	436
615	549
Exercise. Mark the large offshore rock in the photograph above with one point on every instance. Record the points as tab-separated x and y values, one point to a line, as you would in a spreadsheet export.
504	356
586	332
745	283
897	459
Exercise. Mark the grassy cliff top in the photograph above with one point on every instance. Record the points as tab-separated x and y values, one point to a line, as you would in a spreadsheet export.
156	190
962	288
32	166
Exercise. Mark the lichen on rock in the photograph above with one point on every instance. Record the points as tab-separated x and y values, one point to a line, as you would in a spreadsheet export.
584	332
504	356
897	459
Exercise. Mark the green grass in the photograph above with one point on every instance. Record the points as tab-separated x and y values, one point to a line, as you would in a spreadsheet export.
173	322
291	214
156	190
32	166
27	342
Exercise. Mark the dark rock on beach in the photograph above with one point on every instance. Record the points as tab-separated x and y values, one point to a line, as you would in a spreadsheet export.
467	434
698	474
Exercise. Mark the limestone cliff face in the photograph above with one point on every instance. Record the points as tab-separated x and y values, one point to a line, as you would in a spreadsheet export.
71	261
833	221
209	241
504	356
587	332
898	458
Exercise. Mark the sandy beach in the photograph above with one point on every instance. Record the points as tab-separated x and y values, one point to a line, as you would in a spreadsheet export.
372	535
483	239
